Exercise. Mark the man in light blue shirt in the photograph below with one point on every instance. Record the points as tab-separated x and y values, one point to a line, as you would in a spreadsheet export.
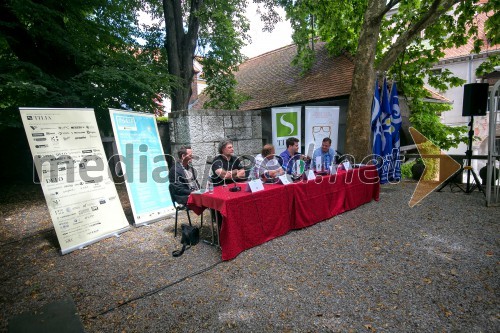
327	154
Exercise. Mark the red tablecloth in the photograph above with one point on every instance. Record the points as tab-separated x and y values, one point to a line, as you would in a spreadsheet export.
250	219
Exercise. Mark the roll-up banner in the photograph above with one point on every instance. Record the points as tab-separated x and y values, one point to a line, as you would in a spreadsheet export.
144	165
285	124
74	174
321	122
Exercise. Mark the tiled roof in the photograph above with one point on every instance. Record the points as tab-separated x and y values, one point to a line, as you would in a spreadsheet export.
271	80
467	49
436	97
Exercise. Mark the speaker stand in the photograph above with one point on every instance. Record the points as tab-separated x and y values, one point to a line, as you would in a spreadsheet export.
468	166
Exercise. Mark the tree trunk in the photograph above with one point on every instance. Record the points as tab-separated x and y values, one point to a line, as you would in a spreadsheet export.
180	47
359	111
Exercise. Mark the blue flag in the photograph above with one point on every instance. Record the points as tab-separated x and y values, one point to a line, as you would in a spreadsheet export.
385	119
396	124
375	123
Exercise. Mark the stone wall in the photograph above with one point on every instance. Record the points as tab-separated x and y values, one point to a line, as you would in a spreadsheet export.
204	129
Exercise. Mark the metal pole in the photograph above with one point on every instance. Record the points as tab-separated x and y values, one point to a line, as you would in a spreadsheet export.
492	154
469	153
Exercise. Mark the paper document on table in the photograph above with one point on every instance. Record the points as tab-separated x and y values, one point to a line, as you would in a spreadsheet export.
284	179
310	175
254	186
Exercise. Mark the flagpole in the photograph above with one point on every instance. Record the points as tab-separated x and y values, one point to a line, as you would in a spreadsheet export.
377	73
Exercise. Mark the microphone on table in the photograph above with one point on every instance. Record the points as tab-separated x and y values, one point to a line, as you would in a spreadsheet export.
235	188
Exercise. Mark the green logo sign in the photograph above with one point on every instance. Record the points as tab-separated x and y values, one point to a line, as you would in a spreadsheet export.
286	124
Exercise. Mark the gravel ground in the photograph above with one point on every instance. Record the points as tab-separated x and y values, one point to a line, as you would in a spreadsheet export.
383	267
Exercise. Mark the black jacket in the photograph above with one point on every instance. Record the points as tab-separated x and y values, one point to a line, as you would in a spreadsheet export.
179	183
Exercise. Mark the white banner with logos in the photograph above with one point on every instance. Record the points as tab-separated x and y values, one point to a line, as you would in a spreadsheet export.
285	124
74	174
144	165
321	122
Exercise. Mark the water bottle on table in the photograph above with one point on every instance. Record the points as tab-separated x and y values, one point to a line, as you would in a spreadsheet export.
210	187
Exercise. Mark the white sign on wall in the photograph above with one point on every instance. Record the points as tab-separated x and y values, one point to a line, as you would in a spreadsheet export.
321	122
74	174
285	124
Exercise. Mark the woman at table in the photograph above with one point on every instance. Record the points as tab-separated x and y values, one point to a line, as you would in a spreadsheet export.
267	165
226	167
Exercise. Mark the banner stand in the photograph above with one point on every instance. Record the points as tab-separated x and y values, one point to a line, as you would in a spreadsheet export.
143	161
70	162
149	222
115	233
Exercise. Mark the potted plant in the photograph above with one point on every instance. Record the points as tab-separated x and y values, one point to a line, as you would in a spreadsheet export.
483	174
417	169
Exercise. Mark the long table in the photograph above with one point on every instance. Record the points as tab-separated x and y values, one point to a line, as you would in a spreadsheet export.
250	219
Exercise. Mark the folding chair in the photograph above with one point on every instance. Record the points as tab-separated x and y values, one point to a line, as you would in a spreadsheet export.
180	207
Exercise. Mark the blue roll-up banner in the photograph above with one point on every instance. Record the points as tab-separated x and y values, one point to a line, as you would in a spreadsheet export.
143	163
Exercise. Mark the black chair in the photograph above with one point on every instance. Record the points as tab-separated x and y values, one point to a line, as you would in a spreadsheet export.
180	207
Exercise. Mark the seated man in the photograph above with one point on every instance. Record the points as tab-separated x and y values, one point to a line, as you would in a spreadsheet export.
226	167
327	154
183	176
267	166
288	157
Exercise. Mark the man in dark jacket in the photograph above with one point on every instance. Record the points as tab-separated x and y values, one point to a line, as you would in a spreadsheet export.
182	176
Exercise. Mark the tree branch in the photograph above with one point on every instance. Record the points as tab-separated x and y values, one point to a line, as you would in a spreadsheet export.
438	8
389	6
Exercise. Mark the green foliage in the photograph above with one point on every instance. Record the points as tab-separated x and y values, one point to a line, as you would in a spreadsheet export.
223	33
340	23
406	170
431	164
162	119
492	25
78	54
489	65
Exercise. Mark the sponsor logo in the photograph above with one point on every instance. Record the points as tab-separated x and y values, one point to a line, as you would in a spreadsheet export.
55	139
54	180
80	137
94	208
79	132
286	124
102	201
50	133
39	139
87	151
37	134
39	117
63	133
41	146
33	127
77	127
